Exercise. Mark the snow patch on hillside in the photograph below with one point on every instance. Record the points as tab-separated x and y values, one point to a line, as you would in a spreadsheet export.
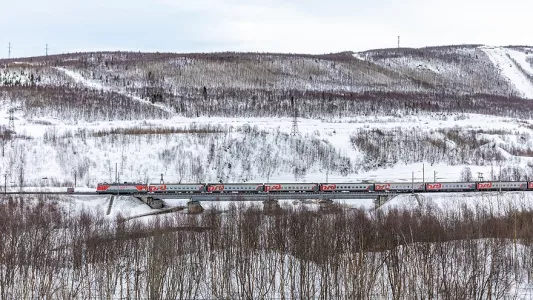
359	56
521	58
499	57
78	78
83	81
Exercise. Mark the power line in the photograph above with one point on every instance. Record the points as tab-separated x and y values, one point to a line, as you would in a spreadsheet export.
295	130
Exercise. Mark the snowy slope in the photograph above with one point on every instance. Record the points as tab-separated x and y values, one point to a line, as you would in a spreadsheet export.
92	84
55	150
500	58
521	58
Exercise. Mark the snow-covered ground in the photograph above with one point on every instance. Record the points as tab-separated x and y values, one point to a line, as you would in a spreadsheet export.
494	202
500	57
139	158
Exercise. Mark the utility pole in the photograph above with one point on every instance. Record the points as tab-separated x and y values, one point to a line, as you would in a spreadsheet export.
46	48
5	183
398	42
294	131
500	177
413	182
327	170
423	174
162	181
434	176
9	50
116	173
11	125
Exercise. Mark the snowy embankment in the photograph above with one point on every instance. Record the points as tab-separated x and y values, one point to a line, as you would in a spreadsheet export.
495	203
501	58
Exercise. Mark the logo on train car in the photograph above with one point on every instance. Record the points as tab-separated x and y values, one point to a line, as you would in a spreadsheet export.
383	187
102	187
274	187
434	186
215	188
141	188
484	185
156	188
329	187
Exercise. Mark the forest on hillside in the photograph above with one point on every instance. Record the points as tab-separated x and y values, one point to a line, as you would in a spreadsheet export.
125	85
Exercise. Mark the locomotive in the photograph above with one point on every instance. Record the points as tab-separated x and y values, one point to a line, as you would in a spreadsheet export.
247	188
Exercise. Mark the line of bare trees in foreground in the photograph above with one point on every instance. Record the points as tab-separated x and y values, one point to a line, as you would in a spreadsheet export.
245	253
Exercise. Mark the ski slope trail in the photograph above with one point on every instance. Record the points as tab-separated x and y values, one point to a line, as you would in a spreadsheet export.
78	78
520	58
501	58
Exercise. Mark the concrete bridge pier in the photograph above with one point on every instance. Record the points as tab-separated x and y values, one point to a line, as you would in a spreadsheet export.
151	201
271	205
324	203
381	199
194	207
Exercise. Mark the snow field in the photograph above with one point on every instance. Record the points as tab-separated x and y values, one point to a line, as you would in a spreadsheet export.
500	58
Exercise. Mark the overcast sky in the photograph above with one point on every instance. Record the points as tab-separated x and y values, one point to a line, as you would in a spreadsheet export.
303	26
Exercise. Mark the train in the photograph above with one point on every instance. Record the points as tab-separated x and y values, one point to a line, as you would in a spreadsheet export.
248	188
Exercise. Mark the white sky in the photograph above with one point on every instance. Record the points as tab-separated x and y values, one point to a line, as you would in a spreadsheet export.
303	26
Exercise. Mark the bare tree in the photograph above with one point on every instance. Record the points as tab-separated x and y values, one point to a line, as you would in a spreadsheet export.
466	174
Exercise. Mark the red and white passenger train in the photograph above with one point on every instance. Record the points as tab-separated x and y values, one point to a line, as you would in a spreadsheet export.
240	188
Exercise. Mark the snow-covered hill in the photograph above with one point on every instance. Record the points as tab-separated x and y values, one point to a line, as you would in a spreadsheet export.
376	115
514	66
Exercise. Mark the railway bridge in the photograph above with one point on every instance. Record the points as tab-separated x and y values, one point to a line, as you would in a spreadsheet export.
155	200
